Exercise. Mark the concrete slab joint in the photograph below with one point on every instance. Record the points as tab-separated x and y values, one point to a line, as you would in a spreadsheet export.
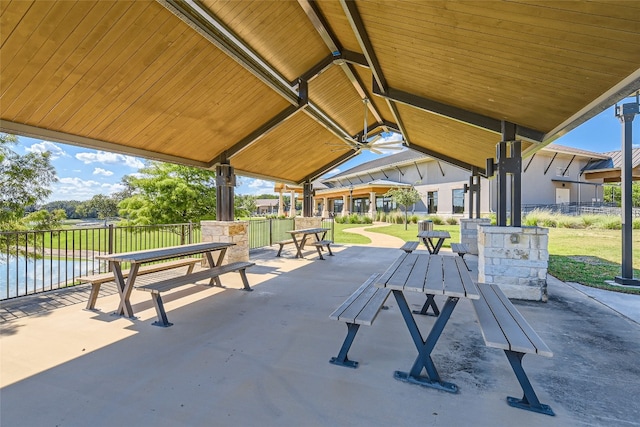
228	232
515	258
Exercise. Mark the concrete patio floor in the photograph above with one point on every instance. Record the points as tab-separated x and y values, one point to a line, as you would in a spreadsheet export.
260	358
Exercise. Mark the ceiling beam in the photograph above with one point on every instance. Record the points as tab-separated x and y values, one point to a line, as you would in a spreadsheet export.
97	144
355	20
215	31
326	168
454	113
447	159
257	134
341	58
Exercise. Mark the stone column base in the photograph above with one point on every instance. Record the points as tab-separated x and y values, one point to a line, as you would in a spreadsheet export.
516	259
228	232
469	232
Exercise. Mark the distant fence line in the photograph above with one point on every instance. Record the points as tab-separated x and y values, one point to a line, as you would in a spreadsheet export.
576	209
39	261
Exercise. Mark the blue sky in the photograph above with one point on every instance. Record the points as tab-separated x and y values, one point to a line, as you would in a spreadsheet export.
83	172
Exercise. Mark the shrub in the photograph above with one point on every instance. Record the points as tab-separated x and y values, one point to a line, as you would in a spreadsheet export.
413	219
437	220
452	220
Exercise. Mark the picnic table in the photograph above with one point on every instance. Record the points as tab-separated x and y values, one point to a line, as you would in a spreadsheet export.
431	275
137	258
299	238
433	240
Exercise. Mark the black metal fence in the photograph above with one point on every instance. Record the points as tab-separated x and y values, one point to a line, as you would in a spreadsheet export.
39	261
581	208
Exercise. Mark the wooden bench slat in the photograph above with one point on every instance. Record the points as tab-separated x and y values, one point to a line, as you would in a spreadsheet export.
371	310
470	288
322	242
353	311
460	248
410	246
518	341
209	273
338	311
416	277
433	282
534	338
399	278
491	331
285	242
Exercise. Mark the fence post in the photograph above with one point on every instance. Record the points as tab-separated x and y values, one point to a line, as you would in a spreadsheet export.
110	245
182	234
190	232
270	232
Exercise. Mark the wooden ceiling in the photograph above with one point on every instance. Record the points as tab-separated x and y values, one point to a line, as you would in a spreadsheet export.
276	88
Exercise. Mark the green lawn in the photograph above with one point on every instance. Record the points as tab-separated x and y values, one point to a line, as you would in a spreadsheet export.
587	256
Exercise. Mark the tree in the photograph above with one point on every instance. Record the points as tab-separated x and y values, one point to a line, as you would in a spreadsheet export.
168	194
245	205
404	197
613	194
104	206
24	180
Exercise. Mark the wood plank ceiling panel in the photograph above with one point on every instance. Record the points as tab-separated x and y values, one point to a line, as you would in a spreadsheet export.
335	95
277	30
334	14
505	60
129	73
290	152
466	143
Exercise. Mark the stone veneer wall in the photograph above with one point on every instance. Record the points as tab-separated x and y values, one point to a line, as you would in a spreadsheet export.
228	232
516	259
469	232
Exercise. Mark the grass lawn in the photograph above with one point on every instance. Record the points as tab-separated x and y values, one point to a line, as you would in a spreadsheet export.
586	256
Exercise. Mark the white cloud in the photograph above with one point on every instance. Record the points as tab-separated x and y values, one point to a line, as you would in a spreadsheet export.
110	158
256	186
46	146
80	189
103	172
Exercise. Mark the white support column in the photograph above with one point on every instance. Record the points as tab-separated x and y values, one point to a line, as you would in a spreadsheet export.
325	207
292	207
345	205
372	205
280	204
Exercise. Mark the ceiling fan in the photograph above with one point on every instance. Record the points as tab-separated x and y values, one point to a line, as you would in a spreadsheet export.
374	144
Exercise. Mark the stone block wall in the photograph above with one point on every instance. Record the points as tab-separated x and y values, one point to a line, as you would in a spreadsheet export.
516	259
228	232
469	232
301	222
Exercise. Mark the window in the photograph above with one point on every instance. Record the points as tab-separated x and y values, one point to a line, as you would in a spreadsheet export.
432	202
360	206
458	201
385	204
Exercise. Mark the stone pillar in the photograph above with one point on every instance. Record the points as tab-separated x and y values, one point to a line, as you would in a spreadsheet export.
345	205
469	232
292	206
516	259
280	204
307	222
325	207
228	232
372	205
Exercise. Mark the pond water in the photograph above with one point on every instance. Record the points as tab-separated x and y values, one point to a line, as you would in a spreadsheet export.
23	276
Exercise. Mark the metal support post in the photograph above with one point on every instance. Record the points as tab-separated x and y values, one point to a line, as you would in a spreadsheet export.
509	162
626	113
307	199
225	183
473	189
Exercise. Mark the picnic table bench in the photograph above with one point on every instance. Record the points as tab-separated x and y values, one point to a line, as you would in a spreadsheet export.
361	308
156	288
409	247
96	280
504	327
461	249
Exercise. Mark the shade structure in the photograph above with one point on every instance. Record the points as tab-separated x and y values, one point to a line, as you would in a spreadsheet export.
276	88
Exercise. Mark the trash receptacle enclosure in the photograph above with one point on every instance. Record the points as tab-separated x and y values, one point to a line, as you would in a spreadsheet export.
425	225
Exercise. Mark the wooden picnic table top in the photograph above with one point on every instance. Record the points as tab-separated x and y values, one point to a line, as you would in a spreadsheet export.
150	255
429	274
434	234
308	230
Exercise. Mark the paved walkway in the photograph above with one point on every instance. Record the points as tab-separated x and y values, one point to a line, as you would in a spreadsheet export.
377	239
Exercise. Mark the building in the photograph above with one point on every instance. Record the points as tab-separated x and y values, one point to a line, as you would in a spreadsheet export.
553	175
